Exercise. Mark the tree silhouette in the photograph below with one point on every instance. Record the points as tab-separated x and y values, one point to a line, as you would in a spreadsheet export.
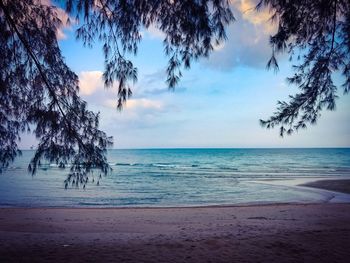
317	34
39	92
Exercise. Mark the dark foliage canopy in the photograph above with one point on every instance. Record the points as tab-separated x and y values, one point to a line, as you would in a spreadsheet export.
316	33
39	92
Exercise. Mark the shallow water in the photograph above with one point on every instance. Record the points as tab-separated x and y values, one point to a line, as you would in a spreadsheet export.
182	177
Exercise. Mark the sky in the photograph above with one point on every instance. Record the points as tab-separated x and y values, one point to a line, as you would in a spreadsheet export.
217	103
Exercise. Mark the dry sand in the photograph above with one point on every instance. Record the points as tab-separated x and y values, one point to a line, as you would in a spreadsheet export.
265	233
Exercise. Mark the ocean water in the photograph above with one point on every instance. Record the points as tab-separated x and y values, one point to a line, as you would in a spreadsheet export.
182	177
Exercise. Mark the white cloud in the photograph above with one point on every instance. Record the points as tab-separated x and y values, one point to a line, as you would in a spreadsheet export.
90	82
93	91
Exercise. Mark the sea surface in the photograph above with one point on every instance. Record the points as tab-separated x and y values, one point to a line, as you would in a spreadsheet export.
181	177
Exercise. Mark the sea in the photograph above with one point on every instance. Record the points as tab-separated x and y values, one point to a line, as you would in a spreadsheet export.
183	177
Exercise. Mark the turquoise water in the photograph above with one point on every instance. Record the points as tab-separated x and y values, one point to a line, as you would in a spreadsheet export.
182	177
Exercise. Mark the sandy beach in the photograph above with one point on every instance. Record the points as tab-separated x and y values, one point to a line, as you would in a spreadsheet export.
339	185
264	233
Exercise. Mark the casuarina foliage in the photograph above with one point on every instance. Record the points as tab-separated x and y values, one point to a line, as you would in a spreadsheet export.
316	35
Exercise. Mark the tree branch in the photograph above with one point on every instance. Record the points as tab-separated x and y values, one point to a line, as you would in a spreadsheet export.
12	25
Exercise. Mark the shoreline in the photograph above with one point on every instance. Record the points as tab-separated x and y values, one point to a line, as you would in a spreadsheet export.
338	188
260	233
238	205
335	185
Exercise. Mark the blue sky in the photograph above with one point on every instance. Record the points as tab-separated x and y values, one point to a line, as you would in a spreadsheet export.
218	102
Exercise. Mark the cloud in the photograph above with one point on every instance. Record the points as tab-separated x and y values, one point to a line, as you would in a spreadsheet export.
165	90
138	109
154	32
249	13
133	104
218	46
248	39
138	113
63	16
92	89
158	75
90	82
147	109
154	84
141	104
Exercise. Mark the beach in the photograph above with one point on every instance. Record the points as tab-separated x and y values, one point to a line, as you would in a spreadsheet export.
340	185
175	205
256	233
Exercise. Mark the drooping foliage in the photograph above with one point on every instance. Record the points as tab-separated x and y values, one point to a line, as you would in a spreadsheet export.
39	92
190	27
316	34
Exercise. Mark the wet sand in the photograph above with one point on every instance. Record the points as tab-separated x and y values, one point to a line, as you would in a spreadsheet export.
261	233
339	185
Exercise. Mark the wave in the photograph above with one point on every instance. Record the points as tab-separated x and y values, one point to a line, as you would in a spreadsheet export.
229	168
159	165
123	164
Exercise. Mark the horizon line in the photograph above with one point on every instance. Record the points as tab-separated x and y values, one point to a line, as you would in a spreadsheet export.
180	148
